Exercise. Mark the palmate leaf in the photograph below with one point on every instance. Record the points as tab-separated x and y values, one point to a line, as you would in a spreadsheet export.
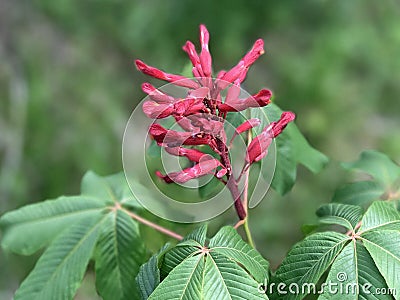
227	268
59	272
376	164
359	193
384	184
354	276
190	244
110	189
149	276
335	213
308	260
370	259
109	232
292	149
32	227
384	247
380	215
229	244
119	254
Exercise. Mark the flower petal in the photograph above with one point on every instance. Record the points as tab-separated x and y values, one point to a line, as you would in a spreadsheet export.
205	56
192	154
204	167
155	110
156	94
175	79
275	128
262	98
258	147
240	70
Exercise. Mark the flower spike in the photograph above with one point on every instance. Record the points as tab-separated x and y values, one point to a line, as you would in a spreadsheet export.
201	114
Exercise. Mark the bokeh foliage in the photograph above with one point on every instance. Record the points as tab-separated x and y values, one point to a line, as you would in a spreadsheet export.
68	85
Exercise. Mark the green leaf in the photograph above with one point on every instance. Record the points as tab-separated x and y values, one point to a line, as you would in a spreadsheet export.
184	281
209	189
378	165
235	119
380	215
176	255
60	270
308	260
292	149
384	247
359	193
370	260
352	273
110	189
199	235
341	214
28	229
185	248
229	244
149	277
225	279
286	165
119	251
227	268
119	254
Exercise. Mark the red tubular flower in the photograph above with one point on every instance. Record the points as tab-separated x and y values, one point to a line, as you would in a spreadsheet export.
193	103
258	147
233	93
262	98
205	57
231	75
192	154
251	123
256	51
189	106
154	110
173	138
277	127
156	94
190	49
197	70
204	167
175	79
240	70
166	105
165	136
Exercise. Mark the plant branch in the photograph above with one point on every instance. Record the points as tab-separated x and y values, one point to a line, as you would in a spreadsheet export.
149	223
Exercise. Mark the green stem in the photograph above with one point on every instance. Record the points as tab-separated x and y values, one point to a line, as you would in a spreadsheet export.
248	233
245	196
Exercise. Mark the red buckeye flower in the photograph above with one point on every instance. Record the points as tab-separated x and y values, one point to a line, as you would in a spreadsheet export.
258	147
201	115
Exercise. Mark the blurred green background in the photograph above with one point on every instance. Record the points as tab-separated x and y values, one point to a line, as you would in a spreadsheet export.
68	86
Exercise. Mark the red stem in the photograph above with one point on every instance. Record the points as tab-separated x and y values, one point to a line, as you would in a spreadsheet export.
231	183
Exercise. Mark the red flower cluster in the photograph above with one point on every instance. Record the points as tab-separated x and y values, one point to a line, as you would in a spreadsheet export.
201	115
